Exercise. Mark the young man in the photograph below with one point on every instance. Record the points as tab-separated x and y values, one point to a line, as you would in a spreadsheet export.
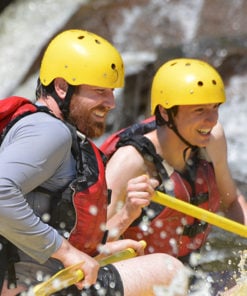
184	147
53	194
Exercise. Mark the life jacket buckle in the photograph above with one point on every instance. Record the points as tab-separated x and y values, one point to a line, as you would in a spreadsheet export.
194	229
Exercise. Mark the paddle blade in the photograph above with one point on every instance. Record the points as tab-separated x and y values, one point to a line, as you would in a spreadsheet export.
61	280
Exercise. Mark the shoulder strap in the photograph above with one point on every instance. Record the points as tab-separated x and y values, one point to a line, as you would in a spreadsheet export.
109	145
8	257
147	150
141	128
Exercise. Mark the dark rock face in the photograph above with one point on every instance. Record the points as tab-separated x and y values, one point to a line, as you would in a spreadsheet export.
4	3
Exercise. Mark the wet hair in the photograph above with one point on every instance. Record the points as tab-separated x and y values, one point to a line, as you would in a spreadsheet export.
43	91
159	119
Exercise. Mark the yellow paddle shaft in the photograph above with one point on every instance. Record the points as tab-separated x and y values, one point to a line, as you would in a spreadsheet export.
119	256
199	213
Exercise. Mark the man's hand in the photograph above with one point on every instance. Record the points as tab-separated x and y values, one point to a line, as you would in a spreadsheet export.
120	245
69	255
140	191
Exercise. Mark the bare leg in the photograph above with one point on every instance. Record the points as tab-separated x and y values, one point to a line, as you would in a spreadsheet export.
144	275
149	275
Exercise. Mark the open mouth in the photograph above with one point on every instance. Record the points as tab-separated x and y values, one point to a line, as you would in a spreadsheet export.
204	132
99	114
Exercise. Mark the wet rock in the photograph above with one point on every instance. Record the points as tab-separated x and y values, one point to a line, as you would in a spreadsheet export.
4	4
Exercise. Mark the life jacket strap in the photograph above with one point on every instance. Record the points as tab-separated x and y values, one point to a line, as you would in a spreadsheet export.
194	229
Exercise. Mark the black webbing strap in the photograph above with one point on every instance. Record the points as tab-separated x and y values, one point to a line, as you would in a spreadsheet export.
8	257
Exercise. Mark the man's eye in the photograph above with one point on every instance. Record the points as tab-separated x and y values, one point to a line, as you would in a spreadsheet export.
199	110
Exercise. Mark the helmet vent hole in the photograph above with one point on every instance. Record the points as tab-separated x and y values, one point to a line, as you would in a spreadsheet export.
97	41
81	37
200	83
214	82
113	66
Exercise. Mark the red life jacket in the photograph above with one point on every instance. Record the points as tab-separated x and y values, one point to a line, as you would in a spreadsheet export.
171	231
79	212
166	230
90	205
12	108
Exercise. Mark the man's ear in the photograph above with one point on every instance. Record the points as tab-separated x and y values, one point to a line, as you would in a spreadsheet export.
163	113
61	87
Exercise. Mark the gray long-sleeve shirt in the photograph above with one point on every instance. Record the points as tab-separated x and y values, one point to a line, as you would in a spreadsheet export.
35	152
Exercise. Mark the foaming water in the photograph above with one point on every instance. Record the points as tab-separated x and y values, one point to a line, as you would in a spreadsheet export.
182	16
240	289
233	116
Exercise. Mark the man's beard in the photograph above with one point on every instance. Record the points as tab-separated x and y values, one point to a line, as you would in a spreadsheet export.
87	126
95	129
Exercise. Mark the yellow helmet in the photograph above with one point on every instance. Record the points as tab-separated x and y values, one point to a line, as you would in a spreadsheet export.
82	57
186	82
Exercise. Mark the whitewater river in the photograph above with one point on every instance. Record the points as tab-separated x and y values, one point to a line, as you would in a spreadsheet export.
26	26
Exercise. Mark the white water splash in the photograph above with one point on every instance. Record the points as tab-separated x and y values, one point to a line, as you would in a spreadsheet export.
183	15
233	117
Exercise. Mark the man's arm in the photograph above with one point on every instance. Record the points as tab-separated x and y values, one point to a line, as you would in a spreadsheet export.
131	189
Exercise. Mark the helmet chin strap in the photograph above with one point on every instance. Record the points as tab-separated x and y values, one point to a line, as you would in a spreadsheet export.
64	104
66	101
170	123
